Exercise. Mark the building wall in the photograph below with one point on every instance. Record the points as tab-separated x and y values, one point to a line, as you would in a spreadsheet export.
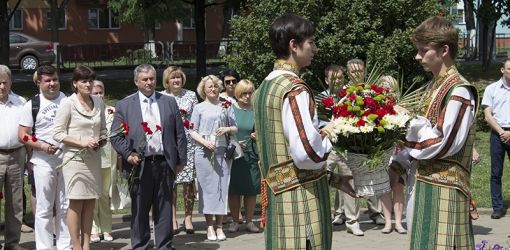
77	31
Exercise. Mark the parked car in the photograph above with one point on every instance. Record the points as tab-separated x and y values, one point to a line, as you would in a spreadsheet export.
27	53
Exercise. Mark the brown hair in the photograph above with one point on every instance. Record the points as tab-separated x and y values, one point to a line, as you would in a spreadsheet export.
82	72
436	31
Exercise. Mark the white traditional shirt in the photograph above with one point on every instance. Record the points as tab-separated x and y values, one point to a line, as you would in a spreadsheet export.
320	146
10	112
457	121
497	96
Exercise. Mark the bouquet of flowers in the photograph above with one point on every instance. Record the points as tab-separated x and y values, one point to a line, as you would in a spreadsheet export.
367	125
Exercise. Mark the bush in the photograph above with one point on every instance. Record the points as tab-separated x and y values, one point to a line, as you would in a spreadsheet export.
376	31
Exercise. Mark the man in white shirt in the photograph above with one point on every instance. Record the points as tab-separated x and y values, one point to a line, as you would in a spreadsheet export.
496	102
45	156
12	157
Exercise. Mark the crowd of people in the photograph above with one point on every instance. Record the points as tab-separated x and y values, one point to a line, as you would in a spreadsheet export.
74	146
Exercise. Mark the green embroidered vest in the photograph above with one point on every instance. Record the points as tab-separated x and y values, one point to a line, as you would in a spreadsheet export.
453	171
276	164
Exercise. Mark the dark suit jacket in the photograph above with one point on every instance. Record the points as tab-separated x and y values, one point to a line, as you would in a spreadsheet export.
173	136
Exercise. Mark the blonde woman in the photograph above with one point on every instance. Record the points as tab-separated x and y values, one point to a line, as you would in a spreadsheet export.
212	120
173	81
245	175
102	222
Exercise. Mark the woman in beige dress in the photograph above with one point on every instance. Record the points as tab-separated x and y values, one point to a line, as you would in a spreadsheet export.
79	124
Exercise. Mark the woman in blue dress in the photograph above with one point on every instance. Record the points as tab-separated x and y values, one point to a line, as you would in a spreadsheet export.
211	120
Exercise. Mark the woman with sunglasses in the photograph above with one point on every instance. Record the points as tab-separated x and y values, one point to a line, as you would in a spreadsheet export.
230	78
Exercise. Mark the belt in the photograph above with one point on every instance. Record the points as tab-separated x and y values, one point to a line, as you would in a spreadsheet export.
9	151
155	158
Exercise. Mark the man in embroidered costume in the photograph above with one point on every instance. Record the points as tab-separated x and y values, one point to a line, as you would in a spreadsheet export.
295	189
441	144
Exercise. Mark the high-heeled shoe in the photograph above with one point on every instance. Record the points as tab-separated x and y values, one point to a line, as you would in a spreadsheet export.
176	229
188	230
211	234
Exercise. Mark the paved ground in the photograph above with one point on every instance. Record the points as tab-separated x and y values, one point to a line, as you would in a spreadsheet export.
495	231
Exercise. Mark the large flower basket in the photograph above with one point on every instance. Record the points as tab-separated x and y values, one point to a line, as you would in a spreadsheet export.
369	181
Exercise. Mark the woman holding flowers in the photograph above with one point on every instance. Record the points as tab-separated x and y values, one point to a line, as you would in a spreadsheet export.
173	81
211	120
245	177
79	123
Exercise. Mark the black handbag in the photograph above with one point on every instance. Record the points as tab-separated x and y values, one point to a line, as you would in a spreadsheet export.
233	151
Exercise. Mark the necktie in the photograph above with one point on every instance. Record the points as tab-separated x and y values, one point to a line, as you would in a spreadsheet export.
154	140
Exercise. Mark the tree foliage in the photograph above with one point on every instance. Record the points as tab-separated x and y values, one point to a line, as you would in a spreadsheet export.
376	31
146	12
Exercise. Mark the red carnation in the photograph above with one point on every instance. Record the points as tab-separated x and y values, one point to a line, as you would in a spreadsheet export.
110	111
158	128
1	195
144	124
342	93
34	139
191	125
377	89
25	138
183	112
226	104
360	123
328	102
186	124
380	113
370	102
125	127
147	130
352	97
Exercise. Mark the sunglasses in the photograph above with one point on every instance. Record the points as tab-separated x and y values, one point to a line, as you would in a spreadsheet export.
229	82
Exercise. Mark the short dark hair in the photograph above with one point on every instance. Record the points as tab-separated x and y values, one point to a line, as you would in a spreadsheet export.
229	72
287	27
504	62
82	72
45	70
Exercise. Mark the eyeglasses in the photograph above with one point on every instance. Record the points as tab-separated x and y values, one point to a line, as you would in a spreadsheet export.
229	82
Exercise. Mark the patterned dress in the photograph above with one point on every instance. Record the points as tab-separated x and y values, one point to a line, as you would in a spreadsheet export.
186	102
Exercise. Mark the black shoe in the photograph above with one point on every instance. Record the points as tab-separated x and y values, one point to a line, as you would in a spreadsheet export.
18	247
496	214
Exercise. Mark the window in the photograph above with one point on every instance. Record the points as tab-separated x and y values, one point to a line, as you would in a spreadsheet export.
62	22
188	22
16	22
459	16
15	38
102	19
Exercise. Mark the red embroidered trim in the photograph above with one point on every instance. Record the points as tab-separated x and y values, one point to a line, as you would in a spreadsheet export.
301	129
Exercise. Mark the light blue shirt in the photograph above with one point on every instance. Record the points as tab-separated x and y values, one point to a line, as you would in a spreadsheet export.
497	96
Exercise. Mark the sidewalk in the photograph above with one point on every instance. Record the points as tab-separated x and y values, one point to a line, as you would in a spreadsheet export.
485	228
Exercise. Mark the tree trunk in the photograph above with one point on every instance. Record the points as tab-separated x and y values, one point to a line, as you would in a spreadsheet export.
55	13
4	33
200	38
487	36
471	30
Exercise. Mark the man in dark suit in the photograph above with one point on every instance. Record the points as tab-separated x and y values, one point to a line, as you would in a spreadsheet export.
155	149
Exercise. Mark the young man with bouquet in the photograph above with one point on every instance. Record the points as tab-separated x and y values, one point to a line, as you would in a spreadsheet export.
295	191
440	143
